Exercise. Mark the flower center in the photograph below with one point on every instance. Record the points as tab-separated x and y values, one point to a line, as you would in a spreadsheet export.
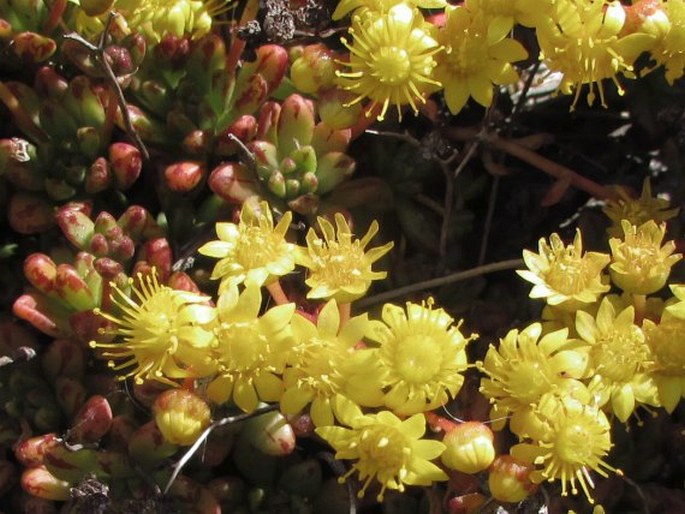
528	381
392	65
574	444
568	276
256	247
242	346
618	355
386	448
418	358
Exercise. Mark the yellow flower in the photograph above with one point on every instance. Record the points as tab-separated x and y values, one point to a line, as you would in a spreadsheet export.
419	362
563	275
163	332
253	251
471	63
666	340
581	40
526	366
578	441
156	18
502	15
181	416
618	359
669	50
250	350
677	309
636	211
381	6
339	267
640	265
317	362
384	447
391	59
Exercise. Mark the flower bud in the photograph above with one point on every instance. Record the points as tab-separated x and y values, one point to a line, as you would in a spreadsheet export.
244	129
295	124
32	47
233	182
40	271
470	447
39	482
126	162
270	433
92	422
98	176
120	60
184	176
314	69
30	452
181	416
271	63
75	224
335	111
251	95
509	479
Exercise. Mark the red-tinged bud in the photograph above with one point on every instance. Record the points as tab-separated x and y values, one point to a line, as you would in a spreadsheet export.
183	177
230	491
75	224
106	224
81	56
233	182
158	254
315	69
121	431
172	48
335	110
126	162
244	129
31	452
98	245
70	395
39	482
43	315
50	84
63	357
99	176
182	282
30	214
41	271
122	248
96	7
325	139
92	422
5	30
120	60
509	479
251	95
267	127
295	124
32	47
470	447
271	63
466	504
270	433
8	476
181	416
73	289
147	128
136	46
108	268
138	223
148	447
196	142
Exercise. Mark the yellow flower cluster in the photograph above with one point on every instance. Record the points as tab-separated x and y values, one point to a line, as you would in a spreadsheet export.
403	365
604	349
397	57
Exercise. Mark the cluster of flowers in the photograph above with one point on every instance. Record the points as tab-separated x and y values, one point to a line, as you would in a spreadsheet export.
398	57
597	353
408	363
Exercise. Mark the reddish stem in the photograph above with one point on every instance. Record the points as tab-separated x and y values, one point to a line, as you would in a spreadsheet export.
56	12
238	44
277	293
440	423
365	120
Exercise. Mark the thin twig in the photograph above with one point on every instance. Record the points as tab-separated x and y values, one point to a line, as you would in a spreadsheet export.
440	281
638	489
200	440
101	60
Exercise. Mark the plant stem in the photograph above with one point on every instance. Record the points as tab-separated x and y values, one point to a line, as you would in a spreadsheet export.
276	291
440	281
